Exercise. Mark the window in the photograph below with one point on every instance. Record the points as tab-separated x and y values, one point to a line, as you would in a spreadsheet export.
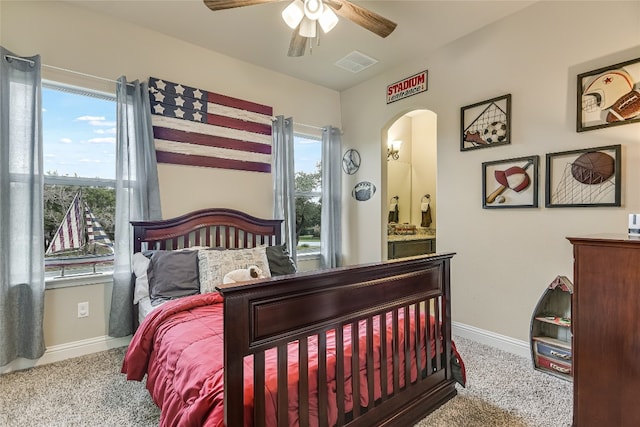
307	164
79	135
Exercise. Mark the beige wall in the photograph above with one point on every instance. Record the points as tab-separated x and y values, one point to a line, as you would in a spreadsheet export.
505	258
61	322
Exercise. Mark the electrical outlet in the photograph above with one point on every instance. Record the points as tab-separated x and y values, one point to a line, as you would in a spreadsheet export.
83	309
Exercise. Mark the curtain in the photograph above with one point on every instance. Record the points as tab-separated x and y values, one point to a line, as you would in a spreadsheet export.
330	216
137	193
21	209
284	180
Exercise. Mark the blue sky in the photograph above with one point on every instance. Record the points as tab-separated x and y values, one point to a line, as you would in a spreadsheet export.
79	136
308	152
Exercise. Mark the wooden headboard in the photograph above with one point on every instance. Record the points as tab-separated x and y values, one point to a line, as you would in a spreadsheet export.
214	227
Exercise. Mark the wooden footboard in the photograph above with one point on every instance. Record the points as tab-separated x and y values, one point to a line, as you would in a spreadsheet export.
348	305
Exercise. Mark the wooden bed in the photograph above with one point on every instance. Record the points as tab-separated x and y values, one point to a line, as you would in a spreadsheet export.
346	304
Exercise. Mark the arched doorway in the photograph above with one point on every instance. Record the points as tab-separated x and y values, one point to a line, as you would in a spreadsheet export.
409	172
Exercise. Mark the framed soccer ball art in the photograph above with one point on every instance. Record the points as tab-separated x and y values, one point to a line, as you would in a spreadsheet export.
486	124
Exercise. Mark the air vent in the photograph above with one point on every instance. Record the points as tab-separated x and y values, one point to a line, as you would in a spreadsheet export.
355	62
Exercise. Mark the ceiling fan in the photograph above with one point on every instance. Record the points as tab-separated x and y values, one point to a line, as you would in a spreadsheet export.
304	17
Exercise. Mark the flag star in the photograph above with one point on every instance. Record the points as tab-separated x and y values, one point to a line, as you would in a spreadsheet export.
197	94
197	117
159	109
197	105
180	89
179	113
180	101
152	89
158	96
161	85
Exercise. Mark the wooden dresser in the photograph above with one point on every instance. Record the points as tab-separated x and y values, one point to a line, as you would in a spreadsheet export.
606	331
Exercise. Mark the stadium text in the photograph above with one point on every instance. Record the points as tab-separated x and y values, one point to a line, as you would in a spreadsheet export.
407	87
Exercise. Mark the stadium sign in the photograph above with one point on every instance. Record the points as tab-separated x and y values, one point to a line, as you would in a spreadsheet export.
407	87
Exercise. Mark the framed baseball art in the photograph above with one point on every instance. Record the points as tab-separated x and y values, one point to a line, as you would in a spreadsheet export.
609	96
486	124
584	178
511	183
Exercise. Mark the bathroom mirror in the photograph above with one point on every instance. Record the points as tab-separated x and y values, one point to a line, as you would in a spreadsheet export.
399	184
412	173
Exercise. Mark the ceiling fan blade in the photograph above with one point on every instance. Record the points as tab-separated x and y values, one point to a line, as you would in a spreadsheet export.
365	18
230	4
298	43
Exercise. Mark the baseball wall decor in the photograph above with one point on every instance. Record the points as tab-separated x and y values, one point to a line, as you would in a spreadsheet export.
486	123
584	178
609	96
511	183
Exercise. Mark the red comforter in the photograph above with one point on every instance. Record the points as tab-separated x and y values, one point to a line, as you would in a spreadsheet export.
179	346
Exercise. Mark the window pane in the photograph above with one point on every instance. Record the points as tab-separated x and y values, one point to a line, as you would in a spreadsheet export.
307	157
79	193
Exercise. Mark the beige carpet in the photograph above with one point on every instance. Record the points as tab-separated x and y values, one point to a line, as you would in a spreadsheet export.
503	391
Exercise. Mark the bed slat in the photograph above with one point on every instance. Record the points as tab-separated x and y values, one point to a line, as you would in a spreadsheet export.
283	387
395	351
370	363
258	381
303	383
322	383
418	334
383	356
407	346
340	374
355	368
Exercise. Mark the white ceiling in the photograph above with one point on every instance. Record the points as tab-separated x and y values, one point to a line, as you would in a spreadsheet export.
258	35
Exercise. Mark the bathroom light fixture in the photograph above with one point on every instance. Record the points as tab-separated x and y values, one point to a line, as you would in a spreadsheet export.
393	149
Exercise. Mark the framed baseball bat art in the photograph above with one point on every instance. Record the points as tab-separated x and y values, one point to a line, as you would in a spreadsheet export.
511	183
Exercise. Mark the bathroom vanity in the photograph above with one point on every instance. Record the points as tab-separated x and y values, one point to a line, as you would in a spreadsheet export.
401	246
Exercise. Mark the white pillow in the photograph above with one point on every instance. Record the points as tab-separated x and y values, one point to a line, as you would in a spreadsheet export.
214	264
140	266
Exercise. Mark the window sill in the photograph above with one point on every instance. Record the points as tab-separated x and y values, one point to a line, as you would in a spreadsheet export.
308	256
78	280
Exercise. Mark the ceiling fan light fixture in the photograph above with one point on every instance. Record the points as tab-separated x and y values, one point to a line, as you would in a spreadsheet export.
313	9
293	14
308	28
328	20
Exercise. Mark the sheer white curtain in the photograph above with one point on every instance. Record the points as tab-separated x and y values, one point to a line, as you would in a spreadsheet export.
21	209
137	193
331	213
284	180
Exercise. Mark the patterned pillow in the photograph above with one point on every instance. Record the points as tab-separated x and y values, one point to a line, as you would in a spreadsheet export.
214	264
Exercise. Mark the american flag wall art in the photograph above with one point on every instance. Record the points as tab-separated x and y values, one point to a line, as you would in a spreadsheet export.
199	128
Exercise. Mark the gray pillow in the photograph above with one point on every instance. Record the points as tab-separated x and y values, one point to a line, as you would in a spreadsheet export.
172	274
279	261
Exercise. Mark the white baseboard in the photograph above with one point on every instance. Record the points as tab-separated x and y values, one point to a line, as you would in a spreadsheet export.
61	352
502	342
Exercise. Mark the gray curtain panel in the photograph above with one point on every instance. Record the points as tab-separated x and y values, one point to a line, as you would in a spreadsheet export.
284	181
21	209
330	220
137	193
